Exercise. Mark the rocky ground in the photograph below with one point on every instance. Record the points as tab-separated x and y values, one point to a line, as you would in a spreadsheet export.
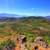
38	44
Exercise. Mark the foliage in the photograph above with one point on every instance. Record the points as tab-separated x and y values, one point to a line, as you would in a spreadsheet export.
9	44
24	26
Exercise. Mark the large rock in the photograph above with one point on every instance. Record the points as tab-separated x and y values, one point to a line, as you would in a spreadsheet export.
40	42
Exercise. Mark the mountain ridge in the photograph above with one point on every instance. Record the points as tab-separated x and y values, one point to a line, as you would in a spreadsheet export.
14	17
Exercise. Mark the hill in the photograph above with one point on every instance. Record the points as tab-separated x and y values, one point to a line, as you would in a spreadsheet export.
31	27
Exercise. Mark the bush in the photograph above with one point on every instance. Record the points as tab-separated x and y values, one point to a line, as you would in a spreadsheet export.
9	44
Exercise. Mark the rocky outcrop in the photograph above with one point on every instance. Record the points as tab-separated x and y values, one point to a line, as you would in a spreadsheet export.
20	44
40	44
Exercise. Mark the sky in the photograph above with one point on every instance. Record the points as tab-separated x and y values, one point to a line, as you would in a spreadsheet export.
25	7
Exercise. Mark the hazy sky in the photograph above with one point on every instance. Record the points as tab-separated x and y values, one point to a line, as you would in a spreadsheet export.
25	7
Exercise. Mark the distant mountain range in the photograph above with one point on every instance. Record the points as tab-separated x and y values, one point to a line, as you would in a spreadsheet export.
14	17
8	15
47	17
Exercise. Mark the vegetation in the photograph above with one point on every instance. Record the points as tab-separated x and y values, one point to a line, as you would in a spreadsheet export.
31	27
9	44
